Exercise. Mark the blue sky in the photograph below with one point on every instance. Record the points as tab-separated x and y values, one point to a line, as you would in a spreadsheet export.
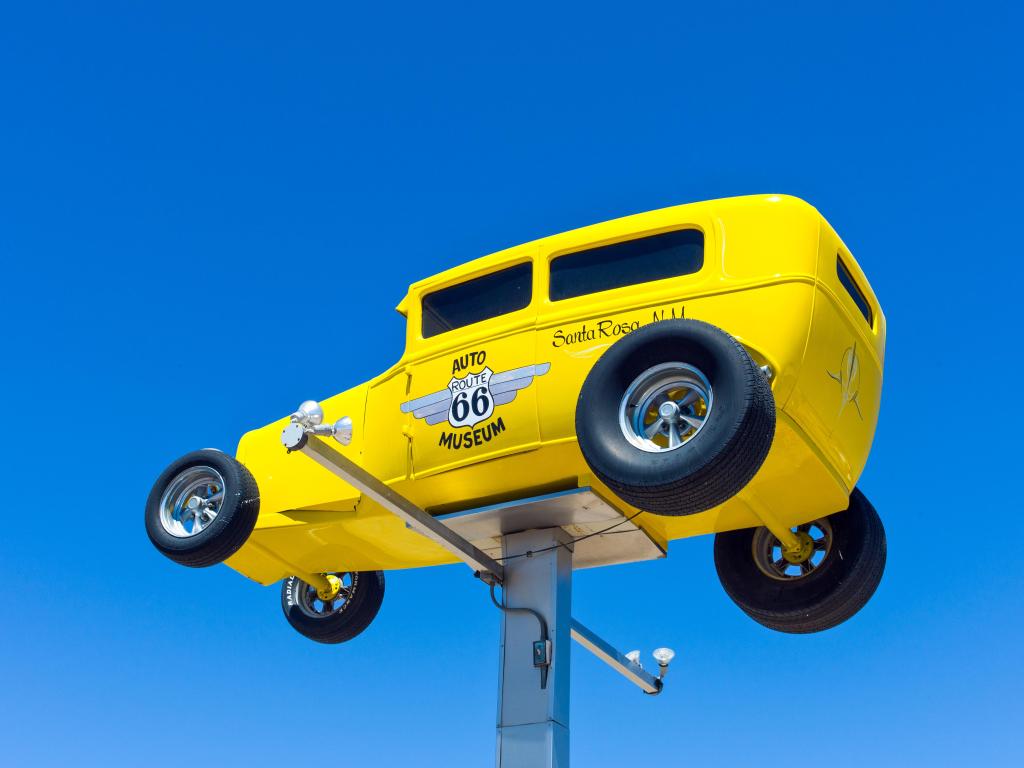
173	172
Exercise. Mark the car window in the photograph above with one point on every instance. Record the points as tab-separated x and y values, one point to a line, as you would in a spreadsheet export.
635	261
480	299
855	292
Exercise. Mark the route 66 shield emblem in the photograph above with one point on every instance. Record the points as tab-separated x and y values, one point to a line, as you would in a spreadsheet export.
471	399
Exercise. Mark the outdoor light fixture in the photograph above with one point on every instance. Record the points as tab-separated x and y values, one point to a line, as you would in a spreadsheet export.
634	658
309	419
310	414
663	656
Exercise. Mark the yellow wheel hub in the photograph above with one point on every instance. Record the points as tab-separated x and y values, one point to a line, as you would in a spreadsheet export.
335	588
803	552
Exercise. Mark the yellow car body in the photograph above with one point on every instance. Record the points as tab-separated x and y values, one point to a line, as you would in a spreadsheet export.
771	277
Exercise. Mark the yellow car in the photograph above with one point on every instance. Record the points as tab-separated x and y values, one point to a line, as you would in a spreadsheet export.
707	368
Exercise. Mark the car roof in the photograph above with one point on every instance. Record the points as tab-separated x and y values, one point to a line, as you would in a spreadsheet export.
490	262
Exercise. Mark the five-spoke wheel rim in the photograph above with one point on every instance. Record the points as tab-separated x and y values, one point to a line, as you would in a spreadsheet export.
665	407
313	605
777	563
191	501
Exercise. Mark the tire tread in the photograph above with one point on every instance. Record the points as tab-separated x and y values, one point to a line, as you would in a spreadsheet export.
341	627
235	523
727	471
850	593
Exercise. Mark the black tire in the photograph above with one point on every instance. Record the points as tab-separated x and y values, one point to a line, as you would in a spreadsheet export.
226	532
327	623
831	593
719	460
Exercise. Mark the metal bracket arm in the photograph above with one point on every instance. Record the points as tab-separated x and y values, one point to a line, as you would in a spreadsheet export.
326	456
636	674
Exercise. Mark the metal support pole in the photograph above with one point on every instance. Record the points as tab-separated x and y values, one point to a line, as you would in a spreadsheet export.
533	721
536	579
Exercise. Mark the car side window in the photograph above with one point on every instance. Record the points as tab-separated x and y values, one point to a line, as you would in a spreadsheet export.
657	257
854	290
479	299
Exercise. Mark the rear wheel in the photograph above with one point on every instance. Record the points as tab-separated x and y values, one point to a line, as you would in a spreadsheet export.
835	573
675	417
339	618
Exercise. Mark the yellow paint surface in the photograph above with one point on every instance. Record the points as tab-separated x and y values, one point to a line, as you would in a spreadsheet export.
769	278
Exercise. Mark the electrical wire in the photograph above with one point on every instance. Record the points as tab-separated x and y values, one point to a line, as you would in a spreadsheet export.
540	620
572	543
536	614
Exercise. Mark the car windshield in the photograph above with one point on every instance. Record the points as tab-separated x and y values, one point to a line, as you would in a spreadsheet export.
479	299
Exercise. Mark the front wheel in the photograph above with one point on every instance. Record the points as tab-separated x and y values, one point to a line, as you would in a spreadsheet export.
340	618
202	509
833	576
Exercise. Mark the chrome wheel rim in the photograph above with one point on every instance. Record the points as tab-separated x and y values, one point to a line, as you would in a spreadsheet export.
314	606
191	501
773	561
665	407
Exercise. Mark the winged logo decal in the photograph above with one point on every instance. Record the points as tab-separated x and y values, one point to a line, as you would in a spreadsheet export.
472	398
848	379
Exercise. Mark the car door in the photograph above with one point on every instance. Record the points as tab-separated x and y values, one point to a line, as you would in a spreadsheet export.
472	368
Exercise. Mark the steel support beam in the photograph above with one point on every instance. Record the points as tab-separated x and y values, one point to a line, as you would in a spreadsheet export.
607	653
332	460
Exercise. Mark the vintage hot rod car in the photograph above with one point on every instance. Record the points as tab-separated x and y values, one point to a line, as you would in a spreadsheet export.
708	368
